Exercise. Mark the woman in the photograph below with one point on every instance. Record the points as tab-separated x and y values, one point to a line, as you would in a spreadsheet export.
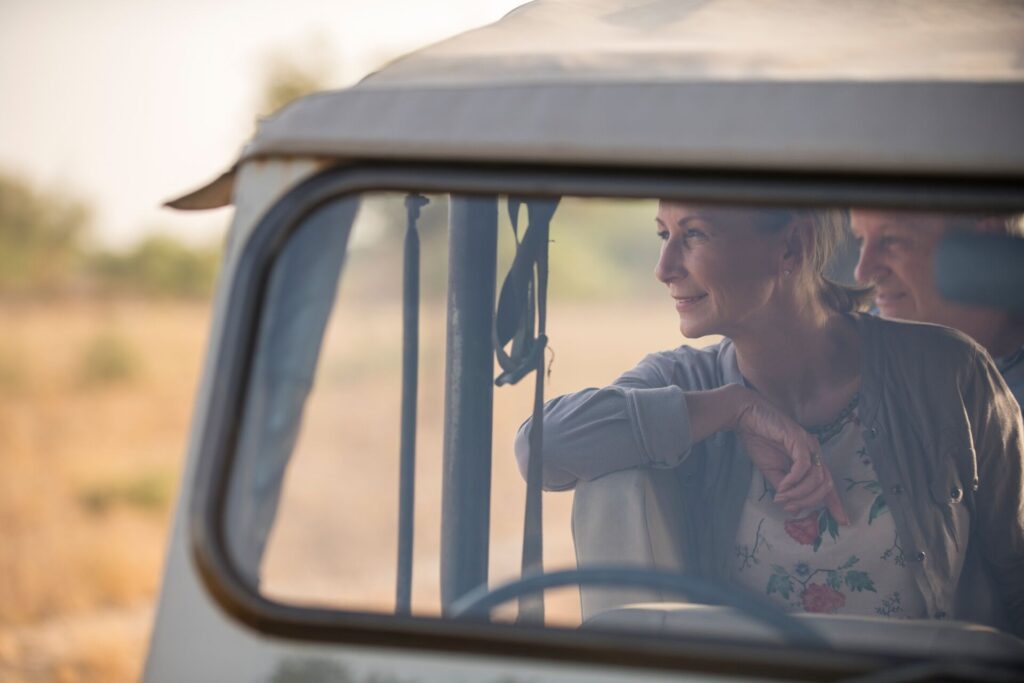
833	461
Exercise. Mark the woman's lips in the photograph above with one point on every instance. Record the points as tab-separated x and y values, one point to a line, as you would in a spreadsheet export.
686	302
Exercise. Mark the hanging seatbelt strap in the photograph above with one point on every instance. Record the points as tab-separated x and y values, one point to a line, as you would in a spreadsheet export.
522	304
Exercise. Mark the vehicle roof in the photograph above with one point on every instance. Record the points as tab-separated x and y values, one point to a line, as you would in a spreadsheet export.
876	86
642	41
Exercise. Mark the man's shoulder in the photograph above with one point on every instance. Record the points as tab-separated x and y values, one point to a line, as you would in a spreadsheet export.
1012	370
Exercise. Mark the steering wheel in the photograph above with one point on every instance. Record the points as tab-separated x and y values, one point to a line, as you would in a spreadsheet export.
480	601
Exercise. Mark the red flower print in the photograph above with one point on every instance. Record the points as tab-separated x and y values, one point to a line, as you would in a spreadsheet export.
803	530
822	599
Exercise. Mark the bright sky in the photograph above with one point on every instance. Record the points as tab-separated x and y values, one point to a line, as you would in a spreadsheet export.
128	103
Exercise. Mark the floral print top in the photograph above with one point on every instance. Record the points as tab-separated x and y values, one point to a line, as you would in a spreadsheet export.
810	563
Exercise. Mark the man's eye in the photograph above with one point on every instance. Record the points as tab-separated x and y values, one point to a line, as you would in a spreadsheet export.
694	233
663	235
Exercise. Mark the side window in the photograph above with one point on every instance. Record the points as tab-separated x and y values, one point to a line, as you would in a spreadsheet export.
344	492
313	496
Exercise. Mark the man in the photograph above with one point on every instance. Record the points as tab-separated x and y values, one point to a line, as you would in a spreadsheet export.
897	251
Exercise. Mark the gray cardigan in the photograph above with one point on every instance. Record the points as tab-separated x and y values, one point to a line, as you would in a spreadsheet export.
941	428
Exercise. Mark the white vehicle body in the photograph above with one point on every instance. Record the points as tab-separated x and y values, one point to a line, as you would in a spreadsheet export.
873	90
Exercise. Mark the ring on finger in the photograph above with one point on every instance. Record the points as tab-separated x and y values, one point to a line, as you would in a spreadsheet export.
815	459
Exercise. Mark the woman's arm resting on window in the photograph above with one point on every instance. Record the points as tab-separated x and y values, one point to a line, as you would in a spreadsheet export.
639	421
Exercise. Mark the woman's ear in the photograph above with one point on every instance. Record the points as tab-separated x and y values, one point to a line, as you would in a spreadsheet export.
797	239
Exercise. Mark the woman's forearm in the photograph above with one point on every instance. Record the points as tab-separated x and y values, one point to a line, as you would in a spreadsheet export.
713	410
597	431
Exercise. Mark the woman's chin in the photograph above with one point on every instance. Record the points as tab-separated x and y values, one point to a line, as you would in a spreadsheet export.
691	329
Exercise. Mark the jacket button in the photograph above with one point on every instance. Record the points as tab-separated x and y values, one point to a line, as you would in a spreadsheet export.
870	433
975	484
955	494
919	556
897	489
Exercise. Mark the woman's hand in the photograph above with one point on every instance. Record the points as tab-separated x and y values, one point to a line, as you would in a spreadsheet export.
782	450
787	455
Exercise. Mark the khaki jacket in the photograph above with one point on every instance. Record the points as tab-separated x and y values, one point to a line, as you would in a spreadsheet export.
941	428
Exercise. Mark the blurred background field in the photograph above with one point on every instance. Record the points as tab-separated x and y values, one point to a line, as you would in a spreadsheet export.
92	440
94	406
100	352
105	306
99	355
102	330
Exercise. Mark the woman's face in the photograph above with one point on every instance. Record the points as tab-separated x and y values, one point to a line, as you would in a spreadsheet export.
718	266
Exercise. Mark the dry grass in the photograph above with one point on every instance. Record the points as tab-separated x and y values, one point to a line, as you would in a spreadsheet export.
95	400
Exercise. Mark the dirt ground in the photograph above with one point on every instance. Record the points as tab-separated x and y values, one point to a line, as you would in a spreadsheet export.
95	404
95	400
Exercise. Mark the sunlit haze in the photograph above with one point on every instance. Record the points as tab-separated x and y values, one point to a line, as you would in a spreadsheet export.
127	103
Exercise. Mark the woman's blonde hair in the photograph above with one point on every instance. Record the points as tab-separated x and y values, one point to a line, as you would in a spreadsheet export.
831	228
1015	225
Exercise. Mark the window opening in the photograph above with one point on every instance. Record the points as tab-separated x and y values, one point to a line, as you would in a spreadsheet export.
298	302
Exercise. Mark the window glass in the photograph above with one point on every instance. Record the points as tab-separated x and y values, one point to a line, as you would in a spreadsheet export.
313	498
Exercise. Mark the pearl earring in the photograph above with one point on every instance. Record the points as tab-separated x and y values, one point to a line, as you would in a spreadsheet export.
787	272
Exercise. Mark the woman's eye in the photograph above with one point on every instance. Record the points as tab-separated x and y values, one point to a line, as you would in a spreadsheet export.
694	233
663	235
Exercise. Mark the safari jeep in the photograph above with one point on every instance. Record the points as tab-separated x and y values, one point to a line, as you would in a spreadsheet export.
416	262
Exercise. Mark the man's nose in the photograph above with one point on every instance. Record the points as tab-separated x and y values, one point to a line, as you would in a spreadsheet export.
869	265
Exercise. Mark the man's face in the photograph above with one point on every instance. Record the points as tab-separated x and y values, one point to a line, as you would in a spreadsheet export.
897	252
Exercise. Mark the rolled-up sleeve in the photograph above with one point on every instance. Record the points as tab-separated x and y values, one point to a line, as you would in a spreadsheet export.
641	420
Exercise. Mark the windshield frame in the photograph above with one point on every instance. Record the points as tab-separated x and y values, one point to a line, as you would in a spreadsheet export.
236	349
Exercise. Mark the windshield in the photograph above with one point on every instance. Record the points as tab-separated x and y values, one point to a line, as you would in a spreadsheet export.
732	396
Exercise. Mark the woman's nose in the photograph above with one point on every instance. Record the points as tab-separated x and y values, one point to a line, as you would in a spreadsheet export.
670	266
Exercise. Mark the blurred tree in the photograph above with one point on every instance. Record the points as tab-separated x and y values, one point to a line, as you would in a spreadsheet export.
41	235
159	266
291	73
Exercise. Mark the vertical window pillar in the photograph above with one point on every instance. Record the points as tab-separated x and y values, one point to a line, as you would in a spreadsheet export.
466	492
